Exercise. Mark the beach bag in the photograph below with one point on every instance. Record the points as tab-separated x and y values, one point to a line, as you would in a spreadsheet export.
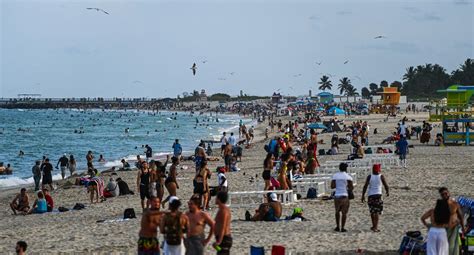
278	250
173	230
79	206
213	190
321	152
368	151
254	250
62	209
129	213
312	193
350	194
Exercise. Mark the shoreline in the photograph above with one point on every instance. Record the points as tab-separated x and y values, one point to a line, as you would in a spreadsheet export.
429	168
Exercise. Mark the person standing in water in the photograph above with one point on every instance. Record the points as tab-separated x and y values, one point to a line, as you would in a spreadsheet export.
36	170
72	165
177	149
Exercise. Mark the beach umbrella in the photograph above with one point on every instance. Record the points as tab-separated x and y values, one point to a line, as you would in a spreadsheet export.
317	126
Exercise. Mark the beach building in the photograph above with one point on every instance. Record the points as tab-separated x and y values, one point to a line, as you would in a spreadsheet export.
325	97
276	98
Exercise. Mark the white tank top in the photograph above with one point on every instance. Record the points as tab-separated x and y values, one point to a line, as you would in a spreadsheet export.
375	185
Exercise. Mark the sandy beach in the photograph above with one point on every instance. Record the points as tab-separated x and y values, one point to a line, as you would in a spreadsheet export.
429	167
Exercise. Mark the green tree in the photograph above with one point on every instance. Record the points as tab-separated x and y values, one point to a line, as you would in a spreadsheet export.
465	74
219	97
365	92
373	88
325	83
344	84
351	91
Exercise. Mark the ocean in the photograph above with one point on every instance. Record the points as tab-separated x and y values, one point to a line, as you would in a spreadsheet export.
54	132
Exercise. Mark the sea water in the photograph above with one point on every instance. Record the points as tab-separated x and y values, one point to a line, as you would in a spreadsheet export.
52	133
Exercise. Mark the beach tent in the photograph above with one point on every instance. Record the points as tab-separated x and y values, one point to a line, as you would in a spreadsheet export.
336	111
317	126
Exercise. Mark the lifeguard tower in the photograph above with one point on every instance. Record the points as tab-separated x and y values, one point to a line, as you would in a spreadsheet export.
390	101
457	114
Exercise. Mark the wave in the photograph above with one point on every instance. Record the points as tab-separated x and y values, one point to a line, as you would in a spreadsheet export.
17	181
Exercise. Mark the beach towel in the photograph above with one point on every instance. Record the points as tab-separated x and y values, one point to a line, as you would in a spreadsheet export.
100	185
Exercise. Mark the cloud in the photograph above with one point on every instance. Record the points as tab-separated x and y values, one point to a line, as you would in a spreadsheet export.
394	46
462	2
343	13
427	17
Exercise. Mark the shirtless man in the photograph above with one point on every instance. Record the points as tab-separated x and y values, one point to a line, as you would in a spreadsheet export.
222	225
456	220
196	241
20	202
148	236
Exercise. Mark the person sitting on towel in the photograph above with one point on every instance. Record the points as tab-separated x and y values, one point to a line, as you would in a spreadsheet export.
270	211
112	189
123	188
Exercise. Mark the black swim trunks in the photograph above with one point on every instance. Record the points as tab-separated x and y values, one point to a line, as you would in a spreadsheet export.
225	245
375	204
144	192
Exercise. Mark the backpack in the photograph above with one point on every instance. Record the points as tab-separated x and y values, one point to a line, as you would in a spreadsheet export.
321	152
173	230
63	209
129	213
79	206
312	193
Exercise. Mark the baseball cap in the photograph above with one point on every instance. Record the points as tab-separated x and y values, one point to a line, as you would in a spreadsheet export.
273	197
173	198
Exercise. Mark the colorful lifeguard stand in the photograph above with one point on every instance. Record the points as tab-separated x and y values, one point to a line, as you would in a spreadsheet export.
458	114
390	101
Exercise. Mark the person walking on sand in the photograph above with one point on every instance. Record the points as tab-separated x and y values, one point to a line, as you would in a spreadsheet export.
174	225
437	240
222	227
227	156
148	243
143	184
342	182
64	163
196	240
47	170
402	149
374	182
36	170
267	170
72	165
224	142
456	221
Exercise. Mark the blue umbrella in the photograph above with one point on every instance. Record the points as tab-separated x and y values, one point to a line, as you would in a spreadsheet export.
317	126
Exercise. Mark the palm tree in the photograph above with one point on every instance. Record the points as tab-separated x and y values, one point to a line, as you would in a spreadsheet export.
343	85
351	91
325	83
410	74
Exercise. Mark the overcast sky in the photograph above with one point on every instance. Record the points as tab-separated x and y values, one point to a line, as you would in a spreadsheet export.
146	48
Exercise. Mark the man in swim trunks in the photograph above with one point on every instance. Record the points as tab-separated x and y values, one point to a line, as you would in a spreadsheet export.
270	211
196	241
227	156
20	202
222	228
64	163
148	236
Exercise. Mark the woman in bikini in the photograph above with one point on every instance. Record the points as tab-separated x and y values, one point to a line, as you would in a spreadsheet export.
201	187
267	169
283	171
170	182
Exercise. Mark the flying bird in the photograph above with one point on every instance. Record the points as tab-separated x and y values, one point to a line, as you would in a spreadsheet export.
297	75
194	68
380	37
97	9
232	73
204	61
345	62
319	63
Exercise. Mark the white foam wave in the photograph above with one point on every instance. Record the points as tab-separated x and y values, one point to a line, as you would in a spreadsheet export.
16	181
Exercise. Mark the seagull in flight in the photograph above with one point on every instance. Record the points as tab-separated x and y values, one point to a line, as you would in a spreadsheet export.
345	62
319	63
194	68
97	9
204	61
232	73
380	37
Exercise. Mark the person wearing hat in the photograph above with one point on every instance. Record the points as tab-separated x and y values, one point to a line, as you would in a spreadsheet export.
36	170
374	184
270	211
174	225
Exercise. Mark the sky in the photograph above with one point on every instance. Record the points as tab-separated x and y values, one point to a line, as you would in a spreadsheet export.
146	48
